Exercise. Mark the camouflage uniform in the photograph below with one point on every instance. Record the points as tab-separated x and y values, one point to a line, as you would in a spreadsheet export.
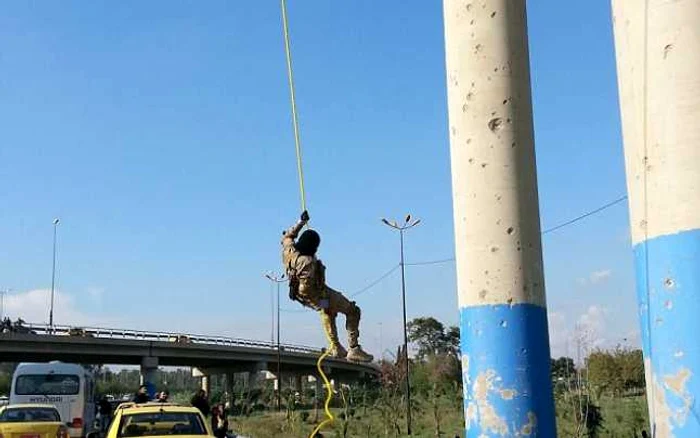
308	286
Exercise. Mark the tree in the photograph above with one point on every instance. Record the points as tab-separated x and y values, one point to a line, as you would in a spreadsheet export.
432	338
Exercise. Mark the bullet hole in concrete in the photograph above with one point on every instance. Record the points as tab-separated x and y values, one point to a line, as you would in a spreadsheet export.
498	222
473	84
495	124
494	249
512	145
483	294
464	108
493	113
510	301
478	48
471	161
470	96
510	230
669	283
499	197
483	165
472	22
469	140
493	14
508	120
469	7
505	101
488	78
518	248
504	323
495	70
453	130
667	50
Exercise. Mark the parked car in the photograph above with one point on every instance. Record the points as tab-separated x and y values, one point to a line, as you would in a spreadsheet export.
31	421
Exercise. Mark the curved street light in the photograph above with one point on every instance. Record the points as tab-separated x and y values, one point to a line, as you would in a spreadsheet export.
277	279
53	273
407	224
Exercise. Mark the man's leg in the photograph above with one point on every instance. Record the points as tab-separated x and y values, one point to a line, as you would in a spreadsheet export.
339	304
329	326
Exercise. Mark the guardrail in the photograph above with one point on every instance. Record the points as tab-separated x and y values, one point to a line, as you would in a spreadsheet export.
142	335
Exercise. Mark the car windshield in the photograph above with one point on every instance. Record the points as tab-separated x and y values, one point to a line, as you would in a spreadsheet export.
25	415
47	384
161	423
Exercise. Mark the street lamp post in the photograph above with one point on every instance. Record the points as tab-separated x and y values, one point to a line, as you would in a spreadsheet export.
408	224
53	274
2	302
277	279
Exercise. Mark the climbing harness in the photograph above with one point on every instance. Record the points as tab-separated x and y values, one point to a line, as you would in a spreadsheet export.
300	170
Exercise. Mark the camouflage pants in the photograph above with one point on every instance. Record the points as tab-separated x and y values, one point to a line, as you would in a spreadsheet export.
338	303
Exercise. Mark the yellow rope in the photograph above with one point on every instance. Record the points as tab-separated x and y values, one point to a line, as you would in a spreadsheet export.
300	170
292	95
329	391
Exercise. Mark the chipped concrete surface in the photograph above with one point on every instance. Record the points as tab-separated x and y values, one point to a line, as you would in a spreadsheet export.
481	411
488	75
660	105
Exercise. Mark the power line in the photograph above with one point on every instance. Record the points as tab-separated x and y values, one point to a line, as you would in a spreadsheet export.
375	282
585	215
431	262
546	231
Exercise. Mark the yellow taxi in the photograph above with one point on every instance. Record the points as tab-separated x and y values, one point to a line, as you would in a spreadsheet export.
31	421
157	420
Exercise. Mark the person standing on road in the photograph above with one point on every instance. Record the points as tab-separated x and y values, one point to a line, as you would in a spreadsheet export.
200	402
105	410
219	422
307	284
141	395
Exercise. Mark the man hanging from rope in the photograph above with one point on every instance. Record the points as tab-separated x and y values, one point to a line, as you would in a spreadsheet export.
307	284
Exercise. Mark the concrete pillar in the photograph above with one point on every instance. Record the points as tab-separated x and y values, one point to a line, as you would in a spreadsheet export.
149	374
206	384
658	64
505	343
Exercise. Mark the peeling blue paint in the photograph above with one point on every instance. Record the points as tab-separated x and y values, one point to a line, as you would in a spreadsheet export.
670	326
507	385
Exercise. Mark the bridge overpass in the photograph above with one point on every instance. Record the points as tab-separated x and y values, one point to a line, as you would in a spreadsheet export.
210	354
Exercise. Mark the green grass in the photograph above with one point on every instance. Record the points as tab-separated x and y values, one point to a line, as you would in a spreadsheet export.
621	418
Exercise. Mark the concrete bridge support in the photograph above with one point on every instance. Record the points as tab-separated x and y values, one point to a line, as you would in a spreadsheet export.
149	374
658	64
505	343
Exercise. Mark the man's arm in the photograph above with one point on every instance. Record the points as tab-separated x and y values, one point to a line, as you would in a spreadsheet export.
291	234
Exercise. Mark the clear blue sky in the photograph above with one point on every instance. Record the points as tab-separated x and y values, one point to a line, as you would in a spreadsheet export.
159	132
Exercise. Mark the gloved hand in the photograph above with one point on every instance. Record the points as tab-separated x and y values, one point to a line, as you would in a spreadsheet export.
305	216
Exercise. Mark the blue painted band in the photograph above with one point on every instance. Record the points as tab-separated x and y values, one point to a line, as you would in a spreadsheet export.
505	368
670	327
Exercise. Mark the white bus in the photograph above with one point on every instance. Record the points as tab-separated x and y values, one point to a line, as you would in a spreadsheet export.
69	387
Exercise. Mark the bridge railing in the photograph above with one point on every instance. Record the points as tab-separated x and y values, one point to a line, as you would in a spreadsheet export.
174	337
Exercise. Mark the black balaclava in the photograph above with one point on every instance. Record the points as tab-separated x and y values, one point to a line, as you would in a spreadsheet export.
307	244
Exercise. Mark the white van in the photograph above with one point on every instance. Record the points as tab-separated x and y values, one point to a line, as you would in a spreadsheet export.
69	387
